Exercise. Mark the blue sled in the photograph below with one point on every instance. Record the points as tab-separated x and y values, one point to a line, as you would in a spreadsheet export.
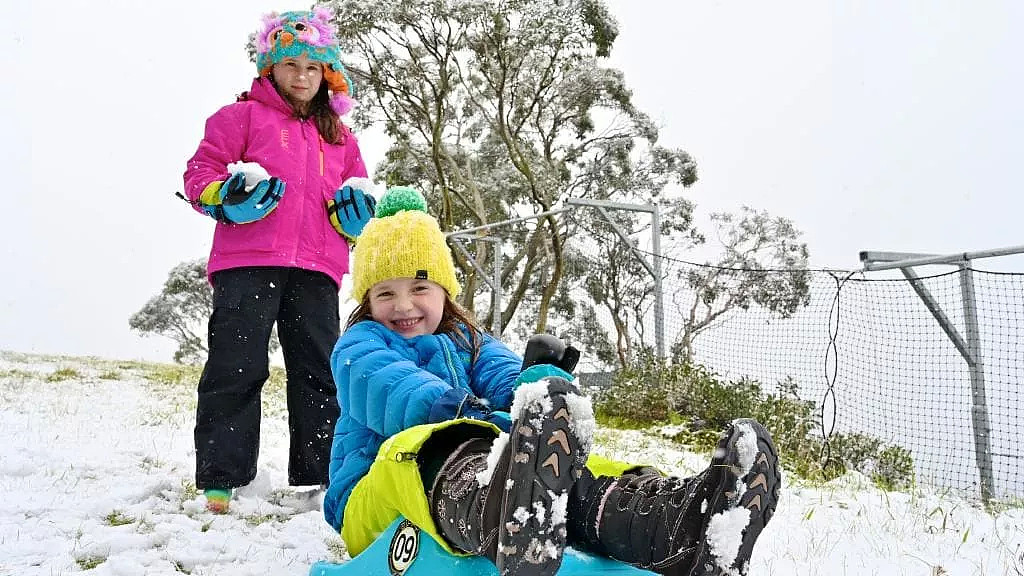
405	550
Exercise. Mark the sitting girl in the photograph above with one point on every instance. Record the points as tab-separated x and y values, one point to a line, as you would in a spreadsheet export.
440	424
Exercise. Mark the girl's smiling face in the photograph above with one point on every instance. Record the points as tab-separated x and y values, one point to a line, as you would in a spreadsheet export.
409	306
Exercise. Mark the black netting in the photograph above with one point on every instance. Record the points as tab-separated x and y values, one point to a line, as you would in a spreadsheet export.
879	362
865	348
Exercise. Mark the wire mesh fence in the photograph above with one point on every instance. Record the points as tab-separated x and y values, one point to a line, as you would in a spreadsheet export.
875	358
868	351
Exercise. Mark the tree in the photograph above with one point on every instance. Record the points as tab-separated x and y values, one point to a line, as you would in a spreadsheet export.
503	109
180	312
763	263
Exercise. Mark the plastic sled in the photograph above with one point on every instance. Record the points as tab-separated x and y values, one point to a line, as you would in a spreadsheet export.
405	550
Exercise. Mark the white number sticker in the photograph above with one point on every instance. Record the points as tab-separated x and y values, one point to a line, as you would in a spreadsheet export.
405	545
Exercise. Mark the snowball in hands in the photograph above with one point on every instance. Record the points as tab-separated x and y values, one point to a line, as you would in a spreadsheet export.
254	173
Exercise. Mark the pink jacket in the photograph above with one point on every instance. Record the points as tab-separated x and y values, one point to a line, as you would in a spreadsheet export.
263	129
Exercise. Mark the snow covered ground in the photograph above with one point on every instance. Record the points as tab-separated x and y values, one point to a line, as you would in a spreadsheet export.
96	474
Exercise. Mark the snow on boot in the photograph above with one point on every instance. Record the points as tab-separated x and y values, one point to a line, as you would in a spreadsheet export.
747	449
703	525
552	429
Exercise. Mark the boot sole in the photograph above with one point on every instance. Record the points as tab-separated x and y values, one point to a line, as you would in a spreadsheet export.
545	462
761	480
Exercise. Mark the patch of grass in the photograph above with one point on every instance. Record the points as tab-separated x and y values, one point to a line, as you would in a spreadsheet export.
146	526
16	374
337	550
132	365
189	492
118	518
1010	503
891	467
89	561
205	526
257	519
62	374
612	420
173	375
150	462
110	375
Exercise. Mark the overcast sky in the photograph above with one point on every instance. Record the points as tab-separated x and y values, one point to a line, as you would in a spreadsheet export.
884	125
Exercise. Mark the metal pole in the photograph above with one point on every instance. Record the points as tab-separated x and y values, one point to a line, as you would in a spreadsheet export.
947	259
969	346
940	316
659	302
979	404
505	222
496	293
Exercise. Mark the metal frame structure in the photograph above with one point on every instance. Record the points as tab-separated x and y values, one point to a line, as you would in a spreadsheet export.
493	278
968	343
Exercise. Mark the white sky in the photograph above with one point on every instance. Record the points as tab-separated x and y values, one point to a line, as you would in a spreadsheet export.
123	449
873	125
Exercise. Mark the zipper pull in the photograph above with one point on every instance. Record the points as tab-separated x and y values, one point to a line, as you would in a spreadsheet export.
405	456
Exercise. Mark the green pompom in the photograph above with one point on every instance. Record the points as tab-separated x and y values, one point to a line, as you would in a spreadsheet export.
399	198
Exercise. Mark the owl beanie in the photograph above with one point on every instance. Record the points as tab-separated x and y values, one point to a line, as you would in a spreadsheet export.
402	241
292	34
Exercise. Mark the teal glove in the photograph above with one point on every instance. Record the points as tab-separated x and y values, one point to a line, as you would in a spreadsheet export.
351	208
538	372
242	207
229	201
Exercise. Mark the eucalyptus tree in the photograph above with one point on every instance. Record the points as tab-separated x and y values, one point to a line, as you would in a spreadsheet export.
503	109
762	263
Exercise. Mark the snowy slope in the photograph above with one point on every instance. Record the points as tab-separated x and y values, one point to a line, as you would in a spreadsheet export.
96	473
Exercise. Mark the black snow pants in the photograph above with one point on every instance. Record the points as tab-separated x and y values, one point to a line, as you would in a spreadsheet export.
246	303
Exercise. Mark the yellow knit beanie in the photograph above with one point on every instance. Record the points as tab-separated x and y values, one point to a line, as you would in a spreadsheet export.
402	241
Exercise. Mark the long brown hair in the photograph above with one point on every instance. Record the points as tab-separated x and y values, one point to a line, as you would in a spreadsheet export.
453	318
327	122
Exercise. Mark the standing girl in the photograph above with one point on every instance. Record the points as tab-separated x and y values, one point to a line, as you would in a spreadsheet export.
273	169
440	424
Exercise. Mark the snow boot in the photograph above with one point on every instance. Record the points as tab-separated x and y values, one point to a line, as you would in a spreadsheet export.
704	525
464	509
506	499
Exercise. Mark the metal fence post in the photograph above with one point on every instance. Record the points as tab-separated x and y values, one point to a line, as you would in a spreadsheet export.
659	295
976	364
496	292
969	345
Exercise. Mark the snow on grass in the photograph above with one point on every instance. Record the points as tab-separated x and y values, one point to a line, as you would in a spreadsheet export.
96	473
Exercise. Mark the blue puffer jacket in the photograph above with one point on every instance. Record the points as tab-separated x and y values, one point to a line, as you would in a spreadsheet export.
387	383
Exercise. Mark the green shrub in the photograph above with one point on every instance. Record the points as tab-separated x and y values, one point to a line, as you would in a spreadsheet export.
891	467
653	391
640	394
